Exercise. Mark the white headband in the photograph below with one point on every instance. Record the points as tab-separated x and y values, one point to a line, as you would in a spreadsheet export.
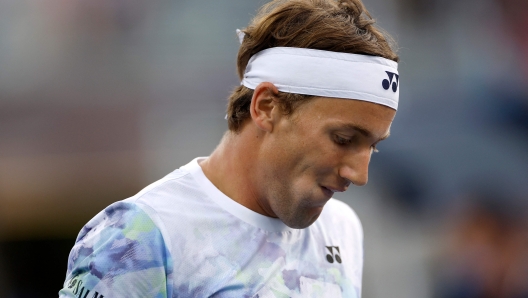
327	74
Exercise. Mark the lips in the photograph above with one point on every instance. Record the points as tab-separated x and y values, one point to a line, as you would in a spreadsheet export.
330	190
327	191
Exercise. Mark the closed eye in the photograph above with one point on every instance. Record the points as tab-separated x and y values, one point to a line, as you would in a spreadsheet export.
344	141
341	140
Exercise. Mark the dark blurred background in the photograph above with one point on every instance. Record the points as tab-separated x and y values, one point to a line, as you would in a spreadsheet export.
99	98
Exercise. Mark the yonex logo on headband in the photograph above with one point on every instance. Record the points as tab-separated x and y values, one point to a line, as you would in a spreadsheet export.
387	83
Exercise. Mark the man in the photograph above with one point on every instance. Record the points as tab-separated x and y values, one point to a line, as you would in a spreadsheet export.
319	91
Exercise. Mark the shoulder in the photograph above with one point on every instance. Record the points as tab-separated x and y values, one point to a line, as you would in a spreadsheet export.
120	216
177	204
173	196
180	186
135	213
119	229
118	252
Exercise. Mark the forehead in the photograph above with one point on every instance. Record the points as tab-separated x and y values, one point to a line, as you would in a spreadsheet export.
328	108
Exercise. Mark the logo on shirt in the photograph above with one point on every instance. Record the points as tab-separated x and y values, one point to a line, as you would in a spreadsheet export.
393	80
333	254
78	289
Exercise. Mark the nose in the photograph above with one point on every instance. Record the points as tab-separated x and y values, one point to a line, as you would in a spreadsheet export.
355	167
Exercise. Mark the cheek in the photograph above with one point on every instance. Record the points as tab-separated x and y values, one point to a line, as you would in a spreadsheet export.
286	159
316	161
322	158
301	155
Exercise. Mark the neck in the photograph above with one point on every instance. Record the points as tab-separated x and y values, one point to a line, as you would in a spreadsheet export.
231	168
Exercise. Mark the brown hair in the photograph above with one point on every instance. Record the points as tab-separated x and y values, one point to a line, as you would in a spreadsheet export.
330	25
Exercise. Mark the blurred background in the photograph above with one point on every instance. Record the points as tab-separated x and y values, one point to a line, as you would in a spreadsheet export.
100	98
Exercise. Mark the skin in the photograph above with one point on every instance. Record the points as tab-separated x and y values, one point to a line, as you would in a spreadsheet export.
289	166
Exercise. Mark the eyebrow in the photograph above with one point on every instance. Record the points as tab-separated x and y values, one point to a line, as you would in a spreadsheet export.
365	132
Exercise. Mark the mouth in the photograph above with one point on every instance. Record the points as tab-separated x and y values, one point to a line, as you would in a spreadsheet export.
327	192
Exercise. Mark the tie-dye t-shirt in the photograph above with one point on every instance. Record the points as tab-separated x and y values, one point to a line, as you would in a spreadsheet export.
182	237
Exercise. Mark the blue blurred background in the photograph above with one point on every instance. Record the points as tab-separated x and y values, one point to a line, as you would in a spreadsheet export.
99	98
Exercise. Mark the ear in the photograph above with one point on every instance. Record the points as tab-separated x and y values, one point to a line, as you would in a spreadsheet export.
264	107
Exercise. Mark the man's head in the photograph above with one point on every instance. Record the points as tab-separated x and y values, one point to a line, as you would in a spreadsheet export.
338	26
307	147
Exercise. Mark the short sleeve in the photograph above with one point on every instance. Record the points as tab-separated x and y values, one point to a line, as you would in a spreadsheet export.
119	253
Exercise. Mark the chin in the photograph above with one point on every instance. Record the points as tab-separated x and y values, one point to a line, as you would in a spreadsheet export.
302	221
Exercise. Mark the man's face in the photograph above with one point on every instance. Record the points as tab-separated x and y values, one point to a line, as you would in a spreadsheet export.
321	148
